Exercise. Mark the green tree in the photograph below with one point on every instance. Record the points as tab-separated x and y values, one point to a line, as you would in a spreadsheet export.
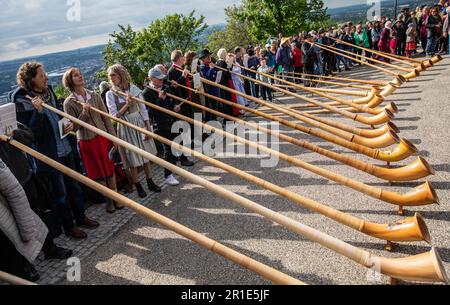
271	17
235	32
139	51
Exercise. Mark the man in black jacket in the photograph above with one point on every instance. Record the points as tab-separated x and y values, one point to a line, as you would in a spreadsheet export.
156	93
308	55
174	74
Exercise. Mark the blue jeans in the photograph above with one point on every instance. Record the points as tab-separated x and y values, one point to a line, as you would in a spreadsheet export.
63	188
431	45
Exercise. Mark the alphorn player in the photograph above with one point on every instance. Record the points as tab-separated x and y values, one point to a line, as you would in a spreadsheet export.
33	83
94	149
129	110
162	123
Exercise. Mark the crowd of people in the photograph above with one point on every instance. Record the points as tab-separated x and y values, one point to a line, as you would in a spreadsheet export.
38	203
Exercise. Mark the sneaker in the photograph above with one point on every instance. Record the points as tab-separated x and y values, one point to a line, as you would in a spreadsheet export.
58	253
88	223
76	233
152	186
172	181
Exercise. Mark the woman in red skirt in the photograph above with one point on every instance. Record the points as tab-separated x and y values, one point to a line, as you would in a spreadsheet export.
94	149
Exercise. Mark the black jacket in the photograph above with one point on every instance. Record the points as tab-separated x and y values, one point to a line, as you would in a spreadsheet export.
39	123
162	122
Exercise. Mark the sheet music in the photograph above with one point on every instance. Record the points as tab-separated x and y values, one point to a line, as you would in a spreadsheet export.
8	120
197	81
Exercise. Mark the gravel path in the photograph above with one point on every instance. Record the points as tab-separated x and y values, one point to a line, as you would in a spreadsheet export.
142	252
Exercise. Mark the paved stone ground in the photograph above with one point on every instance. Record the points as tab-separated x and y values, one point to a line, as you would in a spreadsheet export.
128	249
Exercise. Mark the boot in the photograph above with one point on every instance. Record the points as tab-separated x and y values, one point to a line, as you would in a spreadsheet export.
140	190
152	186
110	208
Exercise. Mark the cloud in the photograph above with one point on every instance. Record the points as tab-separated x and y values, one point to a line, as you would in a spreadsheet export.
43	25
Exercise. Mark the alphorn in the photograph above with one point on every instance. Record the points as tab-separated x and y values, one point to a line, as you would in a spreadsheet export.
421	66
422	195
362	62
342	130
411	73
409	229
362	108
345	79
417	170
424	267
388	87
265	271
367	109
382	118
318	81
404	150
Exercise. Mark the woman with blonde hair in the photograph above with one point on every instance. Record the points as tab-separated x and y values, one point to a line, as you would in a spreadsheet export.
94	149
127	109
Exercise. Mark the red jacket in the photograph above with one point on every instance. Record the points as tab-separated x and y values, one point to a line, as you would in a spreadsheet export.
297	55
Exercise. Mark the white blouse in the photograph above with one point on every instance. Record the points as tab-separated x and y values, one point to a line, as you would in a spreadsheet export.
134	91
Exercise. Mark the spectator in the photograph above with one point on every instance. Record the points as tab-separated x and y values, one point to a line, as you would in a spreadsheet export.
411	45
432	24
385	40
423	27
266	92
208	71
297	55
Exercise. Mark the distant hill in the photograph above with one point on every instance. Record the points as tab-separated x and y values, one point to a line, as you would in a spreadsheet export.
89	60
358	12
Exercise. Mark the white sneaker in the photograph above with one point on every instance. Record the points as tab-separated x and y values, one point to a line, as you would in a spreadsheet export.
172	181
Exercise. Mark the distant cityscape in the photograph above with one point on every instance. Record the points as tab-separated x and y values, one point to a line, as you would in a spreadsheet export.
90	60
356	13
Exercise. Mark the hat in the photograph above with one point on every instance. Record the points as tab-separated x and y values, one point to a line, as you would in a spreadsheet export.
204	53
156	73
284	40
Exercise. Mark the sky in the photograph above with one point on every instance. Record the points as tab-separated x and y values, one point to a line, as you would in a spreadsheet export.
35	27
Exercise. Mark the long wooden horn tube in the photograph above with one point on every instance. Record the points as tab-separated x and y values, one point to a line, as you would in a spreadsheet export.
265	271
411	73
423	267
373	59
410	229
372	121
345	79
383	141
423	64
419	196
387	55
14	280
404	150
370	102
312	101
363	87
417	170
362	62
